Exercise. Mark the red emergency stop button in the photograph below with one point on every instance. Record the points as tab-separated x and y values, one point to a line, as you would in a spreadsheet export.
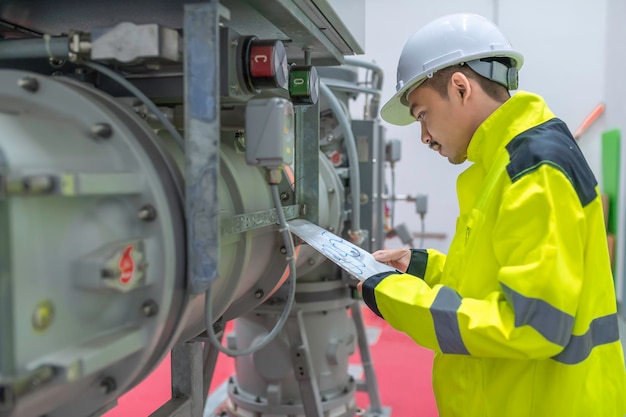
267	64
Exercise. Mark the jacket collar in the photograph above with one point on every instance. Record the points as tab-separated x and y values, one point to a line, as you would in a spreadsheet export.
519	113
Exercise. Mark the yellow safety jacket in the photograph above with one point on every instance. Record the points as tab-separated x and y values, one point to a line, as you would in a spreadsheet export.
521	313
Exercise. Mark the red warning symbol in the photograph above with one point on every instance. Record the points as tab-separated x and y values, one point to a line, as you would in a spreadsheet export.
126	265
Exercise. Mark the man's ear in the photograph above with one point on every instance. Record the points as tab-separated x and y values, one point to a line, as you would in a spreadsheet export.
461	86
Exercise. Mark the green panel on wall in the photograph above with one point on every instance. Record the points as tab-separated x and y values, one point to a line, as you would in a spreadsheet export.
610	174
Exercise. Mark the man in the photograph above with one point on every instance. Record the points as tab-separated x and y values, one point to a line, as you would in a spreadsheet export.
521	313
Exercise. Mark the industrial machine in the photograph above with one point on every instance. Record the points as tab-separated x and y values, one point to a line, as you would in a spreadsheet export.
152	154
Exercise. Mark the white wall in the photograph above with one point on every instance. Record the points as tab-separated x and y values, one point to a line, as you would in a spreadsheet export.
616	115
563	42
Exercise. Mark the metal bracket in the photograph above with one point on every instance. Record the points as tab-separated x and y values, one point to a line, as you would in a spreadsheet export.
303	365
249	221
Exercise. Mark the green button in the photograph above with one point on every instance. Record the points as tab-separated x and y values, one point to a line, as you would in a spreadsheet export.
299	83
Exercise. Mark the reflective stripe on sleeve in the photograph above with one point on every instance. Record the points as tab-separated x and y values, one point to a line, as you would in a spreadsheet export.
602	330
556	326
444	312
550	322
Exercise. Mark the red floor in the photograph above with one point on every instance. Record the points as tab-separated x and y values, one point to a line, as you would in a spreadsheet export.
403	370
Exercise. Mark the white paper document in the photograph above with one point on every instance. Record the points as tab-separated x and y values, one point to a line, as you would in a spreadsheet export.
356	261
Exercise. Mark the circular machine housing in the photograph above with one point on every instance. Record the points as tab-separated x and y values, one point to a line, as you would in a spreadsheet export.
92	249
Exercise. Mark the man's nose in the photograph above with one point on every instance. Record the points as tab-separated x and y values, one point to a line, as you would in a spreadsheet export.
426	136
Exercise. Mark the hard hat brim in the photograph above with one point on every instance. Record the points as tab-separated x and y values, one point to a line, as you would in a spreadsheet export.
395	111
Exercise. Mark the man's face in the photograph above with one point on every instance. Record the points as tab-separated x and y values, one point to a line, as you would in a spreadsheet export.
443	121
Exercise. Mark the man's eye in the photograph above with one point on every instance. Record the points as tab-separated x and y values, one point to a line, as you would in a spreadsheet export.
420	117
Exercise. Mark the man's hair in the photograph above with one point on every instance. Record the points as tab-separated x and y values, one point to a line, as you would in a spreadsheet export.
440	79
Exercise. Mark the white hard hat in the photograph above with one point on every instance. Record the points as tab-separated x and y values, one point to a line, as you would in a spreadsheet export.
447	41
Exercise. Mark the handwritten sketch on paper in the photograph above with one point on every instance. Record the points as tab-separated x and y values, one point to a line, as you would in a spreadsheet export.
357	262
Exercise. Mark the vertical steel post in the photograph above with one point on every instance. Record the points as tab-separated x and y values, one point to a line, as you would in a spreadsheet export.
187	375
202	132
307	160
187	389
366	359
210	355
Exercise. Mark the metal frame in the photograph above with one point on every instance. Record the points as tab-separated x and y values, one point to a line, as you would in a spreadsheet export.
202	127
187	383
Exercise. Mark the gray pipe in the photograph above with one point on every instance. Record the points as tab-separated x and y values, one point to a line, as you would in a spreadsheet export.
343	86
57	47
371	109
368	65
353	157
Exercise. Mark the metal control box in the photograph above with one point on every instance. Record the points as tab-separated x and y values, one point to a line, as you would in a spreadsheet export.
269	132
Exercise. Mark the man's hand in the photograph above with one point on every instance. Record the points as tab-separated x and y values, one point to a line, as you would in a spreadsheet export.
397	258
